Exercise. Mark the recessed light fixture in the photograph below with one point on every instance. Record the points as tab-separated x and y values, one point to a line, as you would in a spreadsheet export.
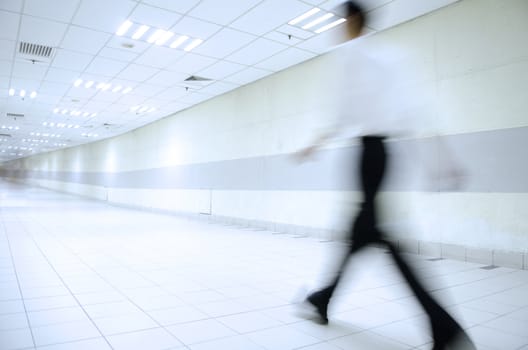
89	84
127	90
163	38
140	32
179	41
117	88
11	92
318	20
158	33
124	28
106	87
330	25
22	93
33	94
304	16
77	82
193	44
142	109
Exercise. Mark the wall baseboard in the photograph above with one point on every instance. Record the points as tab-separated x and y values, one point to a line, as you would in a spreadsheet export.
489	257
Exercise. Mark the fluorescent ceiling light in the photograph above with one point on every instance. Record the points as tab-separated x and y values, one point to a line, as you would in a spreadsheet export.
33	94
56	110
22	93
179	41
139	33
93	115
11	92
77	82
106	87
133	109
192	45
330	25
127	90
64	111
155	36
151	110
117	88
166	36
304	16
85	114
143	109
318	20
124	28
100	86
88	84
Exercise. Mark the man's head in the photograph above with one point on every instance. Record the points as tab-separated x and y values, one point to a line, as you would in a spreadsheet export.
355	17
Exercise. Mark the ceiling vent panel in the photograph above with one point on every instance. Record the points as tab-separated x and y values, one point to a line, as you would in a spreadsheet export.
35	52
14	115
195	81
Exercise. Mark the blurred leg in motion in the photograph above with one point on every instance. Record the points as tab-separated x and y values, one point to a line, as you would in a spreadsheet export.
446	332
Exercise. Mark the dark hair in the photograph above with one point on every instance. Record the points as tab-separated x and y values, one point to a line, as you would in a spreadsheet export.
352	8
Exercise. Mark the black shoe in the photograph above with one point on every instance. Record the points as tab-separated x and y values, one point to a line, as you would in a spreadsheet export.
455	339
320	307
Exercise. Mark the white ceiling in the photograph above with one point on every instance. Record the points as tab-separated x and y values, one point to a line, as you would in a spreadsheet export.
244	40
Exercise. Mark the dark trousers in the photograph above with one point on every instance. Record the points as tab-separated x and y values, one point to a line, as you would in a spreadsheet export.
364	231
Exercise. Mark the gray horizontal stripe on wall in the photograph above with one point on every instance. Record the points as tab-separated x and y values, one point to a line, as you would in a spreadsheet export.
492	161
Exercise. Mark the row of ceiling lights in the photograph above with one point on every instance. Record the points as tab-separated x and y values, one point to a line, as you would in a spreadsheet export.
74	112
44	134
142	109
306	21
61	125
10	127
158	37
102	86
22	93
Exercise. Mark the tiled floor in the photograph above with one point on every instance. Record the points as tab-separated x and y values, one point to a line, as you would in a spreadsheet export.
80	275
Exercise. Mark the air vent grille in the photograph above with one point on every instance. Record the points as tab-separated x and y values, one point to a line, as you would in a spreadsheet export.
36	50
14	115
5	135
195	78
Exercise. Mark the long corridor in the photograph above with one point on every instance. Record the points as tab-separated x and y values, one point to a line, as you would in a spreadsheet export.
81	274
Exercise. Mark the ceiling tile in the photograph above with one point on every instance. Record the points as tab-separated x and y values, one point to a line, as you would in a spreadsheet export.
191	63
84	40
7	49
118	55
285	59
256	51
283	38
175	107
103	15
181	6
11	5
5	68
41	31
106	96
80	93
224	42
105	66
132	46
71	60
222	12
9	25
219	88
220	70
51	88
167	78
148	90
4	85
195	28
29	70
295	32
61	75
57	10
159	57
265	17
153	17
137	72
171	94
248	75
195	97
49	99
26	84
131	99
